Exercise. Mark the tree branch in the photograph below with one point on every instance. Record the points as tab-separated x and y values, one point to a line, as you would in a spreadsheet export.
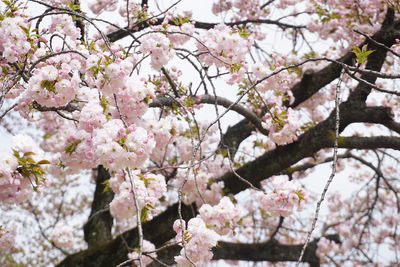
218	100
312	81
387	35
158	231
271	251
121	33
315	139
97	229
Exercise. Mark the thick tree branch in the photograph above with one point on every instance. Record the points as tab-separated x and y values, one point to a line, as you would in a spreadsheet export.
374	142
235	135
121	33
71	107
387	35
216	100
97	229
271	251
315	139
312	81
306	166
158	231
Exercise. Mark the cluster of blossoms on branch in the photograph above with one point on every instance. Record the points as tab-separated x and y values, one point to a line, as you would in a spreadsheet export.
203	232
21	171
7	238
283	198
131	109
146	188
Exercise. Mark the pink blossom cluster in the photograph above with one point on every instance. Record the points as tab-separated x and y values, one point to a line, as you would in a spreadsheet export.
92	116
158	46
146	250
283	124
14	42
198	187
186	150
242	9
222	217
51	124
164	131
119	147
148	189
198	240
286	3
109	75
62	236
285	196
325	248
63	24
59	3
55	84
221	6
14	187
347	216
7	238
336	19
79	152
133	7
204	231
222	47
314	105
281	82
180	33
103	5
95	132
132	101
250	9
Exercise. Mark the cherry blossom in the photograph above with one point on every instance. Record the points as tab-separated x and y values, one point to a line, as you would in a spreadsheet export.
181	137
62	237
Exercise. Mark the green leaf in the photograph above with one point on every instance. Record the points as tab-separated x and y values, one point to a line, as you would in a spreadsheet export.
69	149
26	30
48	85
107	187
362	54
264	214
235	67
144	214
74	6
243	31
43	161
300	195
104	103
27	154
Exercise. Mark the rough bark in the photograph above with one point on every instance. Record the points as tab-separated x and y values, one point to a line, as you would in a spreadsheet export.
97	229
158	231
271	251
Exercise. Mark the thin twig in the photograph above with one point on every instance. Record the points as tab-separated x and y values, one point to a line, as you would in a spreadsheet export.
138	219
7	110
334	163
